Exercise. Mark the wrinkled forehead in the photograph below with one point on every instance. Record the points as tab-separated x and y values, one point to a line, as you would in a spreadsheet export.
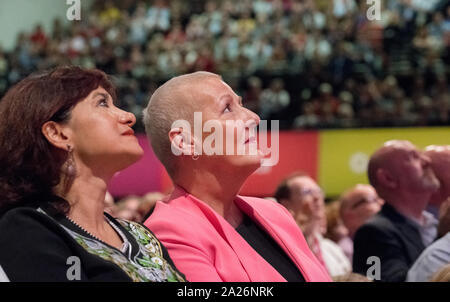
209	90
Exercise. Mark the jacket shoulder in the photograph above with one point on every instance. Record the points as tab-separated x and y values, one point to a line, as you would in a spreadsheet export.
168	222
266	205
33	246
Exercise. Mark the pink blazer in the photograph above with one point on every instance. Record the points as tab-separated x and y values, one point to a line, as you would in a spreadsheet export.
205	247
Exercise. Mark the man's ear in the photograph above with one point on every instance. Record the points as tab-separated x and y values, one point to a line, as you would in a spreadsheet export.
181	142
56	135
385	178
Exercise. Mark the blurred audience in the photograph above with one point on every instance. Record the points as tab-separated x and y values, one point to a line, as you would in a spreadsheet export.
336	230
402	176
132	207
304	199
434	258
351	277
110	206
148	203
127	208
440	162
354	72
358	204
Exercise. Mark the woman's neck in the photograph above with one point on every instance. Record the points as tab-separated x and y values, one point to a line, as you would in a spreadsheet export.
86	197
218	191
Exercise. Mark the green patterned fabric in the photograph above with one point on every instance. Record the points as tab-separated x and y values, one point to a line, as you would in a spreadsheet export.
146	264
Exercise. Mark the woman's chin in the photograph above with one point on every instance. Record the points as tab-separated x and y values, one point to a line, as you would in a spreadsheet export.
129	158
251	162
137	154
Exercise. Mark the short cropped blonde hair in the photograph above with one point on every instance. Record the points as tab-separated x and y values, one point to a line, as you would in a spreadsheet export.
170	102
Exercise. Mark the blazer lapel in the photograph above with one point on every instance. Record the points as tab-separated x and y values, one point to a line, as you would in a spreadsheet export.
256	267
293	252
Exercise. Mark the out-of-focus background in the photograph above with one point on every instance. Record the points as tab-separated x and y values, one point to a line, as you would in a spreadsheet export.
339	83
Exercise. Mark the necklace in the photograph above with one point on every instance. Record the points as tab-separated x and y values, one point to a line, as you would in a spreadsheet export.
79	226
123	237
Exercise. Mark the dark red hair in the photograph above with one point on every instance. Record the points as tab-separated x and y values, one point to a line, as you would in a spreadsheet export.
30	165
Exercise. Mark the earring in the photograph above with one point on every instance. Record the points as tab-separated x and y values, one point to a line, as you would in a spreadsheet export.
195	156
70	167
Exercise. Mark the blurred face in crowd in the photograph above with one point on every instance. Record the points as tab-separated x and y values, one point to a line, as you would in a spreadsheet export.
101	133
358	205
129	209
415	168
403	167
307	198
440	163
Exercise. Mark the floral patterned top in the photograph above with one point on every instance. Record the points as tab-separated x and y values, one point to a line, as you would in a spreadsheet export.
142	262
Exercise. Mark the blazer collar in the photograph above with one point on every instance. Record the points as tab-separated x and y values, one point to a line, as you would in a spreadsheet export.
249	258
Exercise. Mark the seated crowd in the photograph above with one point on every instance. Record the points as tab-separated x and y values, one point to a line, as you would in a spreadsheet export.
306	63
309	63
402	218
394	230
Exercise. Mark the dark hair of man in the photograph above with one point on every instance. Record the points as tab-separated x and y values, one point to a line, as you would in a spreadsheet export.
283	191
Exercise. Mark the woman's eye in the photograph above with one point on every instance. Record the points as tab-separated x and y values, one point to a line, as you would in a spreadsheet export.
103	102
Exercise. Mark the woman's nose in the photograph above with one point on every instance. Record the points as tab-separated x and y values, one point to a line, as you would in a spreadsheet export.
252	119
127	118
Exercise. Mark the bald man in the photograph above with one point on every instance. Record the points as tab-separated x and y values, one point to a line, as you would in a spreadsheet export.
436	255
211	232
402	176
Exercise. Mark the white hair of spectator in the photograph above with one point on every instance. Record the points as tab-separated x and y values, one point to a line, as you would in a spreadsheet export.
437	148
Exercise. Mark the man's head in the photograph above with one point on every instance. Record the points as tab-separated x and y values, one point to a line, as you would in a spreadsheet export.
358	204
304	199
399	170
188	116
440	163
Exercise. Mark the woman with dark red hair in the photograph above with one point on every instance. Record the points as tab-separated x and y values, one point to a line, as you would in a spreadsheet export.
61	141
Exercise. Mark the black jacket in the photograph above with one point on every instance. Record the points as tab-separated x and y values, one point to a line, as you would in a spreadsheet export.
391	237
37	247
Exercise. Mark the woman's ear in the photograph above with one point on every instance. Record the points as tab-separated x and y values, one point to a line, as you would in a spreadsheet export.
56	135
181	142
